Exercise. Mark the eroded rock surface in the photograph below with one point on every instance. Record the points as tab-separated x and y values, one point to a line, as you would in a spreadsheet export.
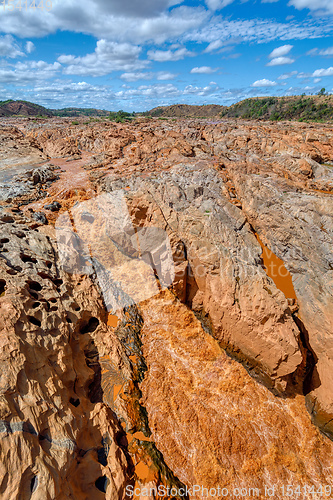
213	423
222	380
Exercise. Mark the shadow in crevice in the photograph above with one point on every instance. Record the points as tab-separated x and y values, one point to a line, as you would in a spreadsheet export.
95	391
311	378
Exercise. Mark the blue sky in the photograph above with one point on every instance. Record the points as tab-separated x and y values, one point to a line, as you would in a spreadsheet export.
138	54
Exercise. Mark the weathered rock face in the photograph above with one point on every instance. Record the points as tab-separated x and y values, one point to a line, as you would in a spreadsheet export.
307	253
16	149
213	423
224	369
52	435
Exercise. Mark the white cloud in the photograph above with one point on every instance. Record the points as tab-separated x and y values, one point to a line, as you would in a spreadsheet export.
285	76
29	47
108	57
165	75
278	61
157	90
65	93
218	4
317	80
214	46
315	5
323	72
264	83
136	76
258	30
28	72
280	51
326	52
200	91
169	55
303	75
9	48
205	70
312	52
165	90
144	8
121	21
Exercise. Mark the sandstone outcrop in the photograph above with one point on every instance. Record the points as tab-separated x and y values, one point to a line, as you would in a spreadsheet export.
214	425
112	376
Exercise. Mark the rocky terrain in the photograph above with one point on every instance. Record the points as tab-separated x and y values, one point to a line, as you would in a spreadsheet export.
166	309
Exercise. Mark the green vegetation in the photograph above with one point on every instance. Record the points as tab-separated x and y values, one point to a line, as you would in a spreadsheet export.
73	112
2	103
121	116
157	112
302	108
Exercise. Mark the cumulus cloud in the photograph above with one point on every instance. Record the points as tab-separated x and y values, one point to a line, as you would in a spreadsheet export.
280	51
29	47
278	61
263	83
9	48
127	21
200	91
169	55
108	57
64	93
159	90
205	70
144	8
136	76
323	72
28	72
278	56
315	5
165	75
218	4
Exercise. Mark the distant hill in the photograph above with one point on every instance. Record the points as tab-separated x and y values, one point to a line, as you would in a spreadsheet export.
22	108
26	108
301	108
186	111
79	112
